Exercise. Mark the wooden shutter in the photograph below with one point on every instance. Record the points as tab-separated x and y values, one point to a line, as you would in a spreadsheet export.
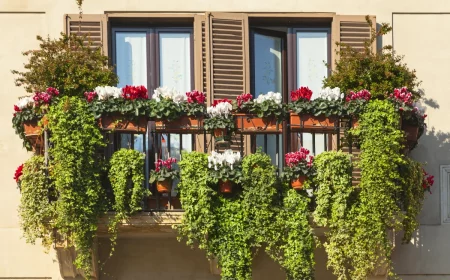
94	26
353	31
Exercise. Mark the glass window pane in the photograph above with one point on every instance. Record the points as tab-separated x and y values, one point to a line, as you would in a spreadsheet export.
125	141
312	54
131	58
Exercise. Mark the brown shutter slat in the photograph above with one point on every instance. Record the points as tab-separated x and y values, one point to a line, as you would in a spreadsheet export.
92	26
353	31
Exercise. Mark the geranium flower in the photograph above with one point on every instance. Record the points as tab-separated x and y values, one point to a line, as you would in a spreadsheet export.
362	94
402	96
18	173
134	92
90	96
303	93
196	96
243	98
167	164
299	157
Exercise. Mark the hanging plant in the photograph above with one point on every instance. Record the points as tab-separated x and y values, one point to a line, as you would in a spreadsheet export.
37	209
226	169
75	170
127	179
220	120
299	167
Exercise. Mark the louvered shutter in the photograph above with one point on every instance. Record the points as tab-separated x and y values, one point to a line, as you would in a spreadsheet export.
353	31
228	61
94	26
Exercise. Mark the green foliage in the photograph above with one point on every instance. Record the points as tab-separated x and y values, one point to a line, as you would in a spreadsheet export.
19	118
37	204
354	107
378	72
219	122
127	180
232	228
165	109
66	64
268	108
317	107
128	108
291	242
75	171
412	196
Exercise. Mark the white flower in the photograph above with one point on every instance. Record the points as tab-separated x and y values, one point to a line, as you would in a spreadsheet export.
25	102
222	109
169	93
420	108
270	96
107	92
227	158
331	94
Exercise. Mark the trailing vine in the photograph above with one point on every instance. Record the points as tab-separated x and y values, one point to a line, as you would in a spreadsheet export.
127	180
74	168
37	204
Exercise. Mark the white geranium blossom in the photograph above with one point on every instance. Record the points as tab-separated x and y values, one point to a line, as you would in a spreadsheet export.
169	93
273	96
331	94
420	108
25	102
107	92
227	158
222	109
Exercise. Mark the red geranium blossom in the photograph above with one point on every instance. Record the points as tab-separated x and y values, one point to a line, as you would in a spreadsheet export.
164	164
134	92
18	173
16	108
428	181
301	156
362	94
402	96
90	96
196	96
302	93
245	97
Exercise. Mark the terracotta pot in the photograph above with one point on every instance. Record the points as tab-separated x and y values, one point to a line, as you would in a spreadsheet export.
355	123
249	123
31	128
297	184
310	122
411	131
164	186
225	186
121	123
221	135
185	124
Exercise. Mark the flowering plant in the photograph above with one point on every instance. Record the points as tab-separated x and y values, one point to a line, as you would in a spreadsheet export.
219	115
265	105
169	104
18	174
164	170
428	181
195	105
130	101
299	163
412	113
32	108
355	102
329	102
225	166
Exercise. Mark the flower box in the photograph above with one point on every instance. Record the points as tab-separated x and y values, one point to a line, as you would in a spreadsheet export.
250	123
31	128
411	131
297	183
185	124
121	123
316	123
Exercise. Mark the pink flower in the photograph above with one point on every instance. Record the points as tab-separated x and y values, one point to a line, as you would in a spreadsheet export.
134	92
362	94
196	96
302	93
18	173
90	96
402	96
164	164
52	91
245	97
300	157
428	181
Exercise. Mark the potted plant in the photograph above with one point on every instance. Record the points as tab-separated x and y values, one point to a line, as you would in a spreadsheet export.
125	109
263	114
428	181
299	166
164	174
354	104
220	120
177	112
413	118
29	112
226	168
321	113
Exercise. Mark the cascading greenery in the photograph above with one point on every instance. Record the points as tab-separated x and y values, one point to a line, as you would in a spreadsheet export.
37	204
126	175
74	168
232	228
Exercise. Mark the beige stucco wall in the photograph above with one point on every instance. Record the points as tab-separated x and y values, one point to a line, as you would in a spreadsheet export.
422	38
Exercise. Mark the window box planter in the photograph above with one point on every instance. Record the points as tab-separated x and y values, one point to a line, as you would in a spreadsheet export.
411	131
121	123
297	184
250	123
164	186
185	124
310	122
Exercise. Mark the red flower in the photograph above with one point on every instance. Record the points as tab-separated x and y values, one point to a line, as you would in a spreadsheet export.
167	164
90	96
16	109
302	93
245	97
134	92
296	158
52	91
196	96
428	181
402	96
362	94
217	101
18	173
